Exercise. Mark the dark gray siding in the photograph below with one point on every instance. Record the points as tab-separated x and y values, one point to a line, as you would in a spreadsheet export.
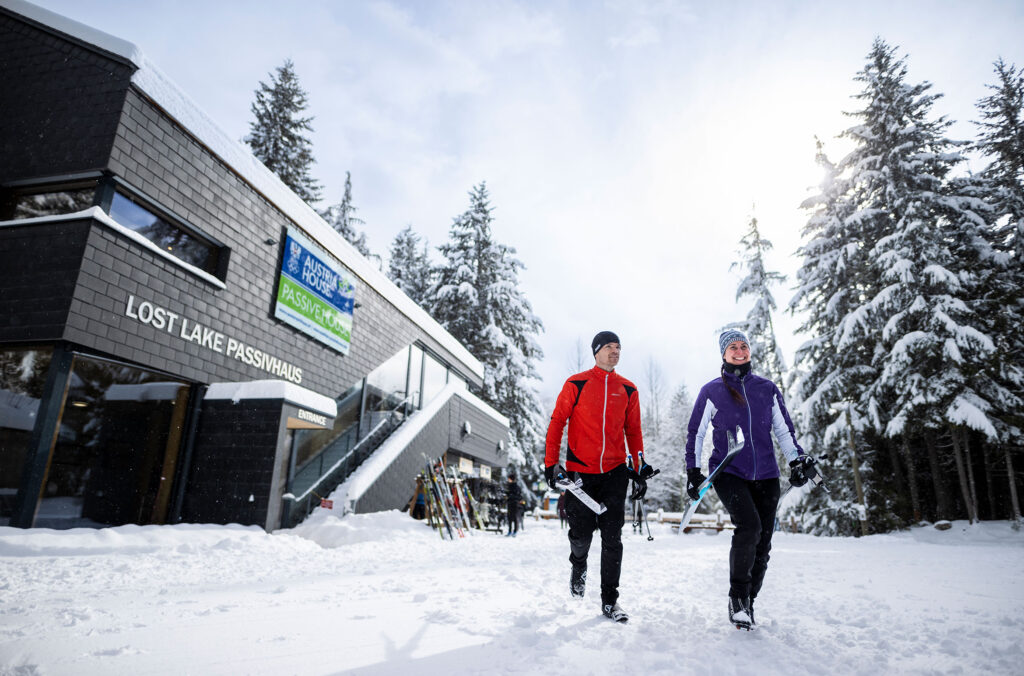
60	102
395	486
39	267
233	459
485	433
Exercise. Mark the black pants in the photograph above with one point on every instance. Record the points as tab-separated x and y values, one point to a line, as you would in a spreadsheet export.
609	489
751	506
513	519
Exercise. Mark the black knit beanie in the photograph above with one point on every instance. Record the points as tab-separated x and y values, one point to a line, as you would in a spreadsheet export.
602	339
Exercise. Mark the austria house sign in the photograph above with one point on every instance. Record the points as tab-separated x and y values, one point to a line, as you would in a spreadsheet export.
315	294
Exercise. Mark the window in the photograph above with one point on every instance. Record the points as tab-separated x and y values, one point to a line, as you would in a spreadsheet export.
454	377
131	214
126	205
415	375
22	376
50	199
435	377
308	443
385	387
53	203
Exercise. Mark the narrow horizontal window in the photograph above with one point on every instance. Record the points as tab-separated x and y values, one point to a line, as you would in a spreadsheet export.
53	203
165	234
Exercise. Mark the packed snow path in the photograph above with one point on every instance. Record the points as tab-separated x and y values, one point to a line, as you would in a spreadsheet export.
382	594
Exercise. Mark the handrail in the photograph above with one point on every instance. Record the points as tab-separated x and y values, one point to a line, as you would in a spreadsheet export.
336	465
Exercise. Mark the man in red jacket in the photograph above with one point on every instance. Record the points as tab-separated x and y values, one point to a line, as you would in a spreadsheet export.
603	412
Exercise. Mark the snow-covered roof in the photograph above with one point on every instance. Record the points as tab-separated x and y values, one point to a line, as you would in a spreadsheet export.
177	105
274	389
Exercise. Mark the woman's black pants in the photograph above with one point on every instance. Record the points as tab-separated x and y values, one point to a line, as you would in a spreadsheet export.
751	506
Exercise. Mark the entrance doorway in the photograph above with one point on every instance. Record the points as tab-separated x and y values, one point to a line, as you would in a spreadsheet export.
115	453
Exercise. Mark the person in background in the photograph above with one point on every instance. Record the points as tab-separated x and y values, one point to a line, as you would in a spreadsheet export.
602	410
513	496
561	508
749	485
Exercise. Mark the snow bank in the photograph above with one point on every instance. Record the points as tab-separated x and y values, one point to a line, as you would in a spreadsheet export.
331	531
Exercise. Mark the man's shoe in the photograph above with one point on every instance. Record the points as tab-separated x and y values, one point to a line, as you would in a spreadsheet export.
616	613
578	581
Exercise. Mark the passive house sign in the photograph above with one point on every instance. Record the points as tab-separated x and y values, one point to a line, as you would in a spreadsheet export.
206	336
315	294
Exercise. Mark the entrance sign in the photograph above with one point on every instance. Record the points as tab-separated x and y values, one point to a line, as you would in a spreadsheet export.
315	294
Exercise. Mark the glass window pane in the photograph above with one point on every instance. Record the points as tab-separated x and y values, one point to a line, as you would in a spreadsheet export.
114	459
309	443
385	387
165	235
415	375
435	377
53	203
22	376
454	377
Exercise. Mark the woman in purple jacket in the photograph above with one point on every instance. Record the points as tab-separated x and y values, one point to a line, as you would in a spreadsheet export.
749	485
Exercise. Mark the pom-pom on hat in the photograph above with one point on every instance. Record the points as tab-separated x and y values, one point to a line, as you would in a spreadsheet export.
730	336
602	339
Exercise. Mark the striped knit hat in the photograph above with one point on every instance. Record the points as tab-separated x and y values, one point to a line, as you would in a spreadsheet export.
729	336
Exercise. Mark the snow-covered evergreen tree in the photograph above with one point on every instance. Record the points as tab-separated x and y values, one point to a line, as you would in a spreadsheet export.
931	344
834	365
477	297
890	281
342	217
667	452
1001	140
409	265
758	326
277	135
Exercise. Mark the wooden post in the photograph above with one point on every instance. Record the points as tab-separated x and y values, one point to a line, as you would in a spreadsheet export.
855	464
915	498
962	474
1014	501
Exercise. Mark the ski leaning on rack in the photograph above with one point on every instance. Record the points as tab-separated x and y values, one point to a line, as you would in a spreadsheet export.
576	488
735	446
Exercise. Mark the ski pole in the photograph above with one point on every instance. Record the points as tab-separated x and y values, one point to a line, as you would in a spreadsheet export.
644	512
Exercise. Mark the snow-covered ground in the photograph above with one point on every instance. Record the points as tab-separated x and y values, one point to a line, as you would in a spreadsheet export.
382	594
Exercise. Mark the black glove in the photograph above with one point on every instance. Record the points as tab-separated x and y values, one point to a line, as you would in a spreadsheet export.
646	471
639	484
694	478
801	469
553	473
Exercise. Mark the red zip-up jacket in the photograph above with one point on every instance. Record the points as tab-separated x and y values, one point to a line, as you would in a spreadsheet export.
603	412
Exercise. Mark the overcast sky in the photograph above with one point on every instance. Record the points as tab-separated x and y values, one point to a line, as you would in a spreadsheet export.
625	144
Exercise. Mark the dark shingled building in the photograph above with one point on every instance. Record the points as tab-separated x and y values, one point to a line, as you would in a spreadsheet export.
181	337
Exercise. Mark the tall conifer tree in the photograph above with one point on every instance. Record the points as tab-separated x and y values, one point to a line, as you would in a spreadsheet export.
759	327
278	134
342	217
409	265
477	297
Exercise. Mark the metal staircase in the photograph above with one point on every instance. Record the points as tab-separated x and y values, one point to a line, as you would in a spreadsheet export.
328	469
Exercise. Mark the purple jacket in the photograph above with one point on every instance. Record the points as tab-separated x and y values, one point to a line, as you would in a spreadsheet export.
765	411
